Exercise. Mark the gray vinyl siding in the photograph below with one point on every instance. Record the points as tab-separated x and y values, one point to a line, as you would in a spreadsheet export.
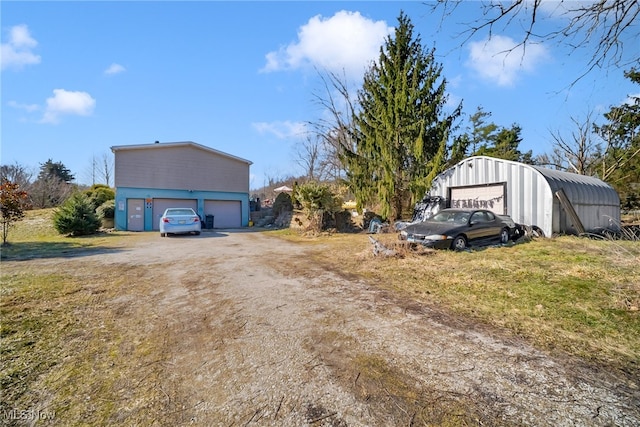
180	166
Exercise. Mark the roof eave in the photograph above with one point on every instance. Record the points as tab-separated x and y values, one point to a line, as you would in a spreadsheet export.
177	144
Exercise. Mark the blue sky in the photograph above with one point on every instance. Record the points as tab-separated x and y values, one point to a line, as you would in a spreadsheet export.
242	77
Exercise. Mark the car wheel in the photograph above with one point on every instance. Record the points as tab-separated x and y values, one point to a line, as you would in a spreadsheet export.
504	236
537	231
163	234
197	233
459	243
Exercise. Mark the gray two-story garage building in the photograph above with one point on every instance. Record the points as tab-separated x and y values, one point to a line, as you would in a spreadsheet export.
152	177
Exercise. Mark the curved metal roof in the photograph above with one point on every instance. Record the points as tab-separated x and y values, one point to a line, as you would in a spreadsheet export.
581	189
530	192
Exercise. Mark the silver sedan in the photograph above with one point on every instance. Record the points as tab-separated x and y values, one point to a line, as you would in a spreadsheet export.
179	221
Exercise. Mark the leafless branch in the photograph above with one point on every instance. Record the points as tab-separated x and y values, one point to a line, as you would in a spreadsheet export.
336	129
604	26
580	152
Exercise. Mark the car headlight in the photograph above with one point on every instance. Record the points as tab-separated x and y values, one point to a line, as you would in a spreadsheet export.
436	237
403	233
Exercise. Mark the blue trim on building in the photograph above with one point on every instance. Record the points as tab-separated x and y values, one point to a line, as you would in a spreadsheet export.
148	194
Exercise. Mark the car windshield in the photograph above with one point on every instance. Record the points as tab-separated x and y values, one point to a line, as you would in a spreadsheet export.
179	212
454	217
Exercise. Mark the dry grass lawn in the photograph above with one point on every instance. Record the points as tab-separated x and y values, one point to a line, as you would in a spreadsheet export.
569	295
575	295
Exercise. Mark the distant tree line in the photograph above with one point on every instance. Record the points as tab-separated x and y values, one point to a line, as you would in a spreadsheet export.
52	186
54	182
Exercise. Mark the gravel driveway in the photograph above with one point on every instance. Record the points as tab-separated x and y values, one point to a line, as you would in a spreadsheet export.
259	335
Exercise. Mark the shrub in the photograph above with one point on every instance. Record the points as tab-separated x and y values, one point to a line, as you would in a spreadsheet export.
13	202
98	194
282	203
107	210
76	216
317	200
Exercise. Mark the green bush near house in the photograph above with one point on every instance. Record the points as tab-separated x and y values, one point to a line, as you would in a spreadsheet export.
107	210
98	194
318	200
76	216
282	203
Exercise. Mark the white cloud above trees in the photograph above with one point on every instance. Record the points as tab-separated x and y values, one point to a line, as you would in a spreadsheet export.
501	60
29	108
18	49
64	102
281	129
347	42
114	69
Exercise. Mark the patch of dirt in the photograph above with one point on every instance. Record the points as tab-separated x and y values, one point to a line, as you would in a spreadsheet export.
254	333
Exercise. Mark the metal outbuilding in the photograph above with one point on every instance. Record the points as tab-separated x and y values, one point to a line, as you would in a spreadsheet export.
553	201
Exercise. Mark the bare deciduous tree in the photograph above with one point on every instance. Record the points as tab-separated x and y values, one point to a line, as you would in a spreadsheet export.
602	26
17	174
308	155
101	169
106	168
336	129
49	192
578	153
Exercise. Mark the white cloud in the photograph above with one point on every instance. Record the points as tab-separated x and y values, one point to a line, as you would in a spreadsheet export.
66	102
115	69
16	52
346	41
500	59
282	130
29	108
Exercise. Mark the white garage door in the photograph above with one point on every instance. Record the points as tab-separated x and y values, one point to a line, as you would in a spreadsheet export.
226	213
490	197
160	205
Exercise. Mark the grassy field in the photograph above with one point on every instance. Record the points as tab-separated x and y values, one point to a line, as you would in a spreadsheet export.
56	328
569	295
574	295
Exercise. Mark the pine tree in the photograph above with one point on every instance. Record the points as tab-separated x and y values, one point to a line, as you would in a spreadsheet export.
57	170
505	145
76	216
402	131
481	132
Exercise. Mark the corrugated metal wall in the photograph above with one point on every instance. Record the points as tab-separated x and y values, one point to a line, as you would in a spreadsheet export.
596	203
530	190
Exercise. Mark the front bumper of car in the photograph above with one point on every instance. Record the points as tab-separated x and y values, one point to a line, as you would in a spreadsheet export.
436	241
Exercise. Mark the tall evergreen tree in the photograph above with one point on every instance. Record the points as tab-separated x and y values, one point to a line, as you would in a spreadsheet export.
53	185
504	145
481	132
57	170
402	129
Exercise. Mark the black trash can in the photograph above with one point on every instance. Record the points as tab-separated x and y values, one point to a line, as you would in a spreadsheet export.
208	221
